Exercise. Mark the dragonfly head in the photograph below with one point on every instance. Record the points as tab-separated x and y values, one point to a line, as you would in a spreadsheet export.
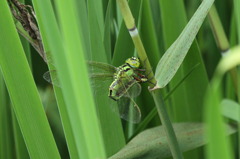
134	62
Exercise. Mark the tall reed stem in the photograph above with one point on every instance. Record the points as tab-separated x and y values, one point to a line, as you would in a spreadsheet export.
133	31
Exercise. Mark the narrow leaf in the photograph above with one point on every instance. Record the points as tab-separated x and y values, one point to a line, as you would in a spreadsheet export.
23	92
100	51
172	59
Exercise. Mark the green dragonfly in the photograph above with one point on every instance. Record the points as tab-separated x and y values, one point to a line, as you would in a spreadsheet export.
124	80
124	85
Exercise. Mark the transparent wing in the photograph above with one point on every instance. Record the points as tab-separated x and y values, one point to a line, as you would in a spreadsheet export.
127	108
96	67
51	77
93	66
97	71
134	90
101	75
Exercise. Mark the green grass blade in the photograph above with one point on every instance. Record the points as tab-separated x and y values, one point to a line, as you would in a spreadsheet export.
51	35
84	26
7	142
108	30
148	34
6	135
65	118
98	6
26	45
110	122
96	35
79	103
27	51
172	59
233	30
20	146
22	90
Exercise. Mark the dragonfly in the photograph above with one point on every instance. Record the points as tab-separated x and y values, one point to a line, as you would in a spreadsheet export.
124	80
124	85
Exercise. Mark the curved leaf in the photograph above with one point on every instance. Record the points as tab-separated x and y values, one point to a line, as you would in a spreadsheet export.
152	143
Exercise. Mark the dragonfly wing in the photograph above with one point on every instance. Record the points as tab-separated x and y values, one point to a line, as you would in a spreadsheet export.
51	77
127	108
134	91
129	111
100	73
95	67
101	76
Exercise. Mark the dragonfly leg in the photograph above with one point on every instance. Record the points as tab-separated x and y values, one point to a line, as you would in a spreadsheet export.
141	75
140	78
140	69
144	78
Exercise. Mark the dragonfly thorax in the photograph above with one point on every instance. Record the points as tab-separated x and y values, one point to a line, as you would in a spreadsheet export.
124	71
125	77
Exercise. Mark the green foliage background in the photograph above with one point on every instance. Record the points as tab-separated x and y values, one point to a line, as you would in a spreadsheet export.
37	121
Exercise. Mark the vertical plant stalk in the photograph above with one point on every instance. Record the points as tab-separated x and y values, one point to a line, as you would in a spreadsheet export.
133	31
237	16
223	44
238	97
218	32
222	41
171	136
